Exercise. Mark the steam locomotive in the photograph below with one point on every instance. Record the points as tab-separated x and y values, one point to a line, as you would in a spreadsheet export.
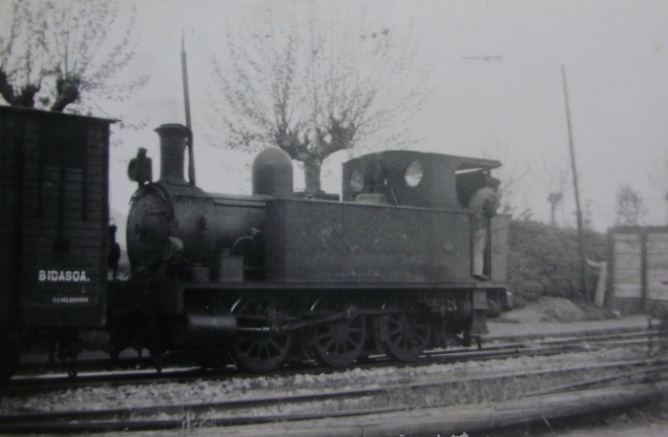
264	279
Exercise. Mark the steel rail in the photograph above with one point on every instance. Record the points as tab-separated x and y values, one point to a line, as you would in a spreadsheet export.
41	384
603	337
92	421
596	381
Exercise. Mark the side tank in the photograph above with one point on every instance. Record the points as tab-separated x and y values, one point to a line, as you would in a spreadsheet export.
172	219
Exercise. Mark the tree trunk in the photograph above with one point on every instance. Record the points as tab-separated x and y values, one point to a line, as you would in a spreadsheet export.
312	168
67	92
25	99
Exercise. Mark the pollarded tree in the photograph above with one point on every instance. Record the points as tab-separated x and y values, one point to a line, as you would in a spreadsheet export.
54	53
630	208
317	83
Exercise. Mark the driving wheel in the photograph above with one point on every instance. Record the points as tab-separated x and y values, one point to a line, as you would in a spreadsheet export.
405	333
337	343
257	347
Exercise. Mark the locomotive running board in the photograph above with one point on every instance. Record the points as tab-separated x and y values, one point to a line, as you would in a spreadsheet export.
306	286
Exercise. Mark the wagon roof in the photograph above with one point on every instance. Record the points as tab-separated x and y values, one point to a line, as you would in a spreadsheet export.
41	112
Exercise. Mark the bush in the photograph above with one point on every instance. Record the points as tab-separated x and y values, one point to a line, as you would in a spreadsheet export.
545	261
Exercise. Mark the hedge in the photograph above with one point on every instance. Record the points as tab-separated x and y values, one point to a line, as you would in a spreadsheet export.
545	261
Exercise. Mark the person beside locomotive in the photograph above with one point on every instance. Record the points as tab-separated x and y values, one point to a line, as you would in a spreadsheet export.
483	204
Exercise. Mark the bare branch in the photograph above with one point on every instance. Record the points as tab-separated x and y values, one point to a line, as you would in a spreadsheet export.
630	209
332	83
71	42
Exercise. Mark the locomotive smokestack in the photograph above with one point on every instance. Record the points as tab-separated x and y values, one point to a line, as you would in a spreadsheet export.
172	147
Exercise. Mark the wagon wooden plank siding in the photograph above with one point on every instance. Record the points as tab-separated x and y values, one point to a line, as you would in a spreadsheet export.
657	265
638	277
54	210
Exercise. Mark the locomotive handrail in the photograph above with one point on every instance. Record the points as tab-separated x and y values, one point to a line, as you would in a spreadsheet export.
363	205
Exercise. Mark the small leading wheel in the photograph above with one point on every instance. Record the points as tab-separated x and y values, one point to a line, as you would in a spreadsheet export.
257	348
337	343
404	334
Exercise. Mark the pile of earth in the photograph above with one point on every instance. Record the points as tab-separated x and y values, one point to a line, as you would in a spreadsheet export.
546	309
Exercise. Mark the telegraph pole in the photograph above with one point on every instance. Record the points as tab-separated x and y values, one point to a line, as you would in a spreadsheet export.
186	99
583	267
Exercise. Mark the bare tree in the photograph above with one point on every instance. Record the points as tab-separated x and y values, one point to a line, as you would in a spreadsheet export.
555	178
73	48
555	199
630	209
318	84
511	191
21	69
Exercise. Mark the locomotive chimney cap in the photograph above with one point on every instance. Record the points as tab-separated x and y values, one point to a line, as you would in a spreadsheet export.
172	126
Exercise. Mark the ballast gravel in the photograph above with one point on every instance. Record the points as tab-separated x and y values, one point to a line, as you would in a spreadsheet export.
237	388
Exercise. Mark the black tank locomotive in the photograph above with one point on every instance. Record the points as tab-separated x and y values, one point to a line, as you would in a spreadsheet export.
279	275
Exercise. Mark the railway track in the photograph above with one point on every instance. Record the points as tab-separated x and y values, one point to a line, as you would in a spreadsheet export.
244	412
497	350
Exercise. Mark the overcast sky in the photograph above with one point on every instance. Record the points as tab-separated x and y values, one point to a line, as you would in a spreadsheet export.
497	92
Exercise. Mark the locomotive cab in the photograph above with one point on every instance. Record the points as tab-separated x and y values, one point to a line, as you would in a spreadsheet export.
405	178
434	181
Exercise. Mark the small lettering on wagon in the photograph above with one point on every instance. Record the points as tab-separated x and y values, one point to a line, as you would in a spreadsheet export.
70	300
62	276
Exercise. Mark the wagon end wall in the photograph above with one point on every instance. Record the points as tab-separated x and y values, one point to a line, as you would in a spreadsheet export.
54	187
638	277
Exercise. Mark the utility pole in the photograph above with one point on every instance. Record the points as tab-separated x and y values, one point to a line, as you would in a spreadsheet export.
186	99
578	210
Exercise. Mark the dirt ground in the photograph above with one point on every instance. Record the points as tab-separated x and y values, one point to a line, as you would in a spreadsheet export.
546	309
646	421
549	315
647	430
